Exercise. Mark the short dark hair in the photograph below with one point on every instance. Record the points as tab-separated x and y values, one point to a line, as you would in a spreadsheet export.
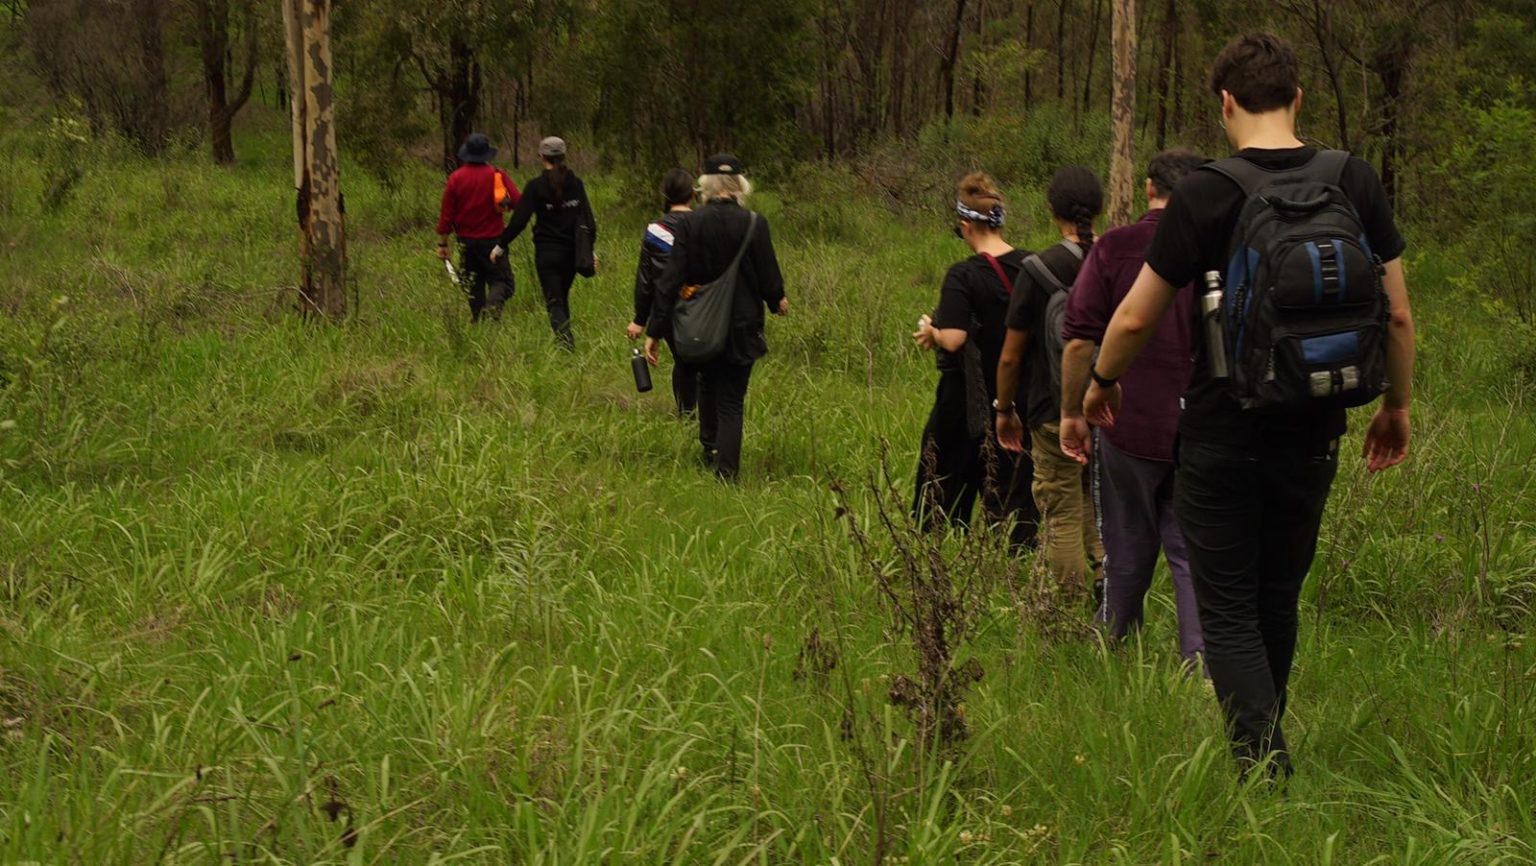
1167	168
676	187
1260	70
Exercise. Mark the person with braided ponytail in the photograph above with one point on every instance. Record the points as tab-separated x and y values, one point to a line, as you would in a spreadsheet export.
1033	351
960	458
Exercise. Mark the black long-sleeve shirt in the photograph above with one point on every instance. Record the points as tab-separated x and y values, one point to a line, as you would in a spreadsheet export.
655	252
558	217
705	244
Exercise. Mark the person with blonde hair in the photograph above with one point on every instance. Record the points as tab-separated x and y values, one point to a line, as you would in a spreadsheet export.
705	244
960	458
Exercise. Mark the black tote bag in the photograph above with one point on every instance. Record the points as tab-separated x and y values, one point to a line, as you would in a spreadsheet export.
701	323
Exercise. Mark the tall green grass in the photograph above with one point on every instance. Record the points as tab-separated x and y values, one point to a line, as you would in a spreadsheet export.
410	591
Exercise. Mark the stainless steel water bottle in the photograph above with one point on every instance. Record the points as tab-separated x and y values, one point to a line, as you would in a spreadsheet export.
1215	336
642	372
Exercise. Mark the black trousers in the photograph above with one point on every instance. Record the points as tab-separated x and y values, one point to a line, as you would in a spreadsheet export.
954	469
556	267
487	284
685	386
1250	522
722	406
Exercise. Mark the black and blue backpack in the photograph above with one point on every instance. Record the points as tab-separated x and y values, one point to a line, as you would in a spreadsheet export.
1303	309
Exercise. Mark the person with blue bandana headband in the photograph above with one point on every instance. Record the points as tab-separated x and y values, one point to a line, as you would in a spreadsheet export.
960	459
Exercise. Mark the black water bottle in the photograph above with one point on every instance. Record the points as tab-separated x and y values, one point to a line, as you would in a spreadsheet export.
642	372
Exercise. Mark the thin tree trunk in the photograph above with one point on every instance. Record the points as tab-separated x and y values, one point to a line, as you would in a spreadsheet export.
1093	53
978	88
1322	29
1061	50
460	98
1029	45
317	181
213	28
951	58
1165	70
1122	179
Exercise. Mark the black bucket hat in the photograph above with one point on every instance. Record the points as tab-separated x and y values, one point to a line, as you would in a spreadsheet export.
722	163
477	149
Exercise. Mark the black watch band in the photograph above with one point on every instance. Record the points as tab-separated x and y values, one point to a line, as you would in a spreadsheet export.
1101	381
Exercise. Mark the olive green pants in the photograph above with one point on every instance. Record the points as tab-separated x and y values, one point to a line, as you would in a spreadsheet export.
1062	490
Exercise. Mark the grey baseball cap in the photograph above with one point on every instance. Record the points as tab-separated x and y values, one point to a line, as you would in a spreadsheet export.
552	146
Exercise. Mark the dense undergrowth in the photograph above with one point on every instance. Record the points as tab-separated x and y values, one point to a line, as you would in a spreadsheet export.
408	591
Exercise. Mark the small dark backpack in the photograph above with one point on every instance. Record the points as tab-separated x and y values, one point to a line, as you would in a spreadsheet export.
1303	308
1055	306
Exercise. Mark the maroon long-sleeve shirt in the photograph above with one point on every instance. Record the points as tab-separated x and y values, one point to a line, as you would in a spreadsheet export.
1154	384
469	202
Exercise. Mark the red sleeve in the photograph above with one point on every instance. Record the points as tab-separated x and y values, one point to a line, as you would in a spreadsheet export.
1091	303
448	213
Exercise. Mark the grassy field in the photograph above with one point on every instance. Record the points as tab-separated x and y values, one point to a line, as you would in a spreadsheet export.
407	591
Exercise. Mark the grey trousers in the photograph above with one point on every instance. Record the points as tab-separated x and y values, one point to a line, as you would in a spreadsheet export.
1136	505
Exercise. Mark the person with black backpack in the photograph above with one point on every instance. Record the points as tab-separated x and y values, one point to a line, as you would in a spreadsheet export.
1033	349
959	459
563	236
710	302
1304	314
655	252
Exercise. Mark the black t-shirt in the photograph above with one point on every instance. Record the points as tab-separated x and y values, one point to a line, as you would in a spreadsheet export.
1193	237
974	299
1042	396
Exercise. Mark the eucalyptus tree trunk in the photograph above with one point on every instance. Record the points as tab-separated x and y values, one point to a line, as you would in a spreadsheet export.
316	175
1122	173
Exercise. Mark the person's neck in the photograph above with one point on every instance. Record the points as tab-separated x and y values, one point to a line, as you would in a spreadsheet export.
1068	231
1157	204
1272	130
992	245
679	208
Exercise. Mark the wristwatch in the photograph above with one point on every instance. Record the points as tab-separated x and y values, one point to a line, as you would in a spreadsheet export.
1101	381
1002	410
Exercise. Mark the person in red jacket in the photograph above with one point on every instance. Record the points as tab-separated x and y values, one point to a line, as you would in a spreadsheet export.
474	199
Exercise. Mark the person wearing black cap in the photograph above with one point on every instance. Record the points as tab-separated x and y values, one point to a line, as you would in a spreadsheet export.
474	199
559	199
703	248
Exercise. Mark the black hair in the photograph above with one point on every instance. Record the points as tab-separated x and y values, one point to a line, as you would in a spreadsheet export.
1076	195
557	174
1260	70
676	188
1167	168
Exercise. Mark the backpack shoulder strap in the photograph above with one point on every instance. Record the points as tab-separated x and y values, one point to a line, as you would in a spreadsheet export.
1074	248
1328	166
1042	272
1249	177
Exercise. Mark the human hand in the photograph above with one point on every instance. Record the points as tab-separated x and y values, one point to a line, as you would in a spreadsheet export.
1076	438
783	306
1101	405
1010	431
653	351
497	252
443	252
1386	440
634	332
925	336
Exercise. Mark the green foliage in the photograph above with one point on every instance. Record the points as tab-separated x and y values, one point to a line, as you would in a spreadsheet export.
411	591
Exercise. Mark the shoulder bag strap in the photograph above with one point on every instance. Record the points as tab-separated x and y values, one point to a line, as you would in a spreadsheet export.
997	268
751	229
